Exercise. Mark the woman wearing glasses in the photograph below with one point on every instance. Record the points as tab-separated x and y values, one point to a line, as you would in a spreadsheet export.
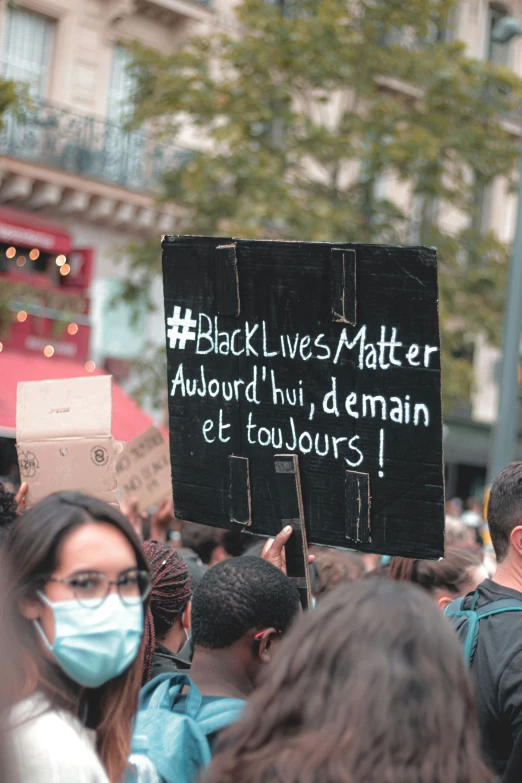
77	583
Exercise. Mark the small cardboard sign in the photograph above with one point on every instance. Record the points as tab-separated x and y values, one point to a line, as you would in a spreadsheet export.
64	437
143	470
304	388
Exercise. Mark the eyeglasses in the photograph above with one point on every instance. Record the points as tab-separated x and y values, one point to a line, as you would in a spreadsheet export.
88	586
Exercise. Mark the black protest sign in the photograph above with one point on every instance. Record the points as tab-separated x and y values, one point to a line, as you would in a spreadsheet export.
328	352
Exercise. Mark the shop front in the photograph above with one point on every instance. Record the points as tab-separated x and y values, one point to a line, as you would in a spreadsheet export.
45	322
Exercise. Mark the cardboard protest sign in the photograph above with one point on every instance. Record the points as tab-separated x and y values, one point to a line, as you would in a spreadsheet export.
64	437
309	368
143	470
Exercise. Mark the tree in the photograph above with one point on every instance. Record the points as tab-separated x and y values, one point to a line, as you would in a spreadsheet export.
307	107
11	97
14	99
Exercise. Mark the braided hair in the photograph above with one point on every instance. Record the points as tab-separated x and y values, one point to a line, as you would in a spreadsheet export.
170	594
8	512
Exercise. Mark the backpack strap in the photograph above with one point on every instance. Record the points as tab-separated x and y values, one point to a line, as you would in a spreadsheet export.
456	609
474	616
193	701
219	714
212	716
161	692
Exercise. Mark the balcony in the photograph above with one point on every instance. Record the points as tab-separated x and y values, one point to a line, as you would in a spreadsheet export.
89	147
180	17
182	9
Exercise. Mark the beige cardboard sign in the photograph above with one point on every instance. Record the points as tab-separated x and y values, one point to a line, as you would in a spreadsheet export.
64	437
143	470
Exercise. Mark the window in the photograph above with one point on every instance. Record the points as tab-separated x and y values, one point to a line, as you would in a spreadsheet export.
26	50
120	87
497	53
124	150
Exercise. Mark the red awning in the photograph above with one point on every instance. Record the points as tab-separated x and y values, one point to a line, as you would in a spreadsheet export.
25	229
128	419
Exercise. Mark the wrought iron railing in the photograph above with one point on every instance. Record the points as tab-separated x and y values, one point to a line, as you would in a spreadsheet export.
89	146
206	3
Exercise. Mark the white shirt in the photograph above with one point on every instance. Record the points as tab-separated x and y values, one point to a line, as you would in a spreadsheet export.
52	746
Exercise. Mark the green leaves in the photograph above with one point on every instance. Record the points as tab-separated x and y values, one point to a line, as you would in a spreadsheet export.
12	97
300	118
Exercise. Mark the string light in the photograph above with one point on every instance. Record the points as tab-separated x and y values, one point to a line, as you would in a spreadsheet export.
34	254
10	252
21	316
90	366
65	269
72	328
48	351
20	261
60	260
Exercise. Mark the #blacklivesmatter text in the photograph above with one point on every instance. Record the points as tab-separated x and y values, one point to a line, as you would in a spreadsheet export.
356	346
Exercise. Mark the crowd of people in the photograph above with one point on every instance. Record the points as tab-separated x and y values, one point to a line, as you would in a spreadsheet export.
138	649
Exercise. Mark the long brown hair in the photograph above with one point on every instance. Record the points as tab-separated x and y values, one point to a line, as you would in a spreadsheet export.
31	554
370	688
452	573
334	567
6	668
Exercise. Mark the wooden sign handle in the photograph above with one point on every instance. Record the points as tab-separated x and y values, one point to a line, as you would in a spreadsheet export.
291	511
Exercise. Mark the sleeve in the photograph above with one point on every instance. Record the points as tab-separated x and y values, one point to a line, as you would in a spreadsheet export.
44	756
510	699
514	766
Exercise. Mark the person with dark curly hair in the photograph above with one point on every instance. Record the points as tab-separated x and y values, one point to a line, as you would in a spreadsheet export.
240	610
370	687
167	622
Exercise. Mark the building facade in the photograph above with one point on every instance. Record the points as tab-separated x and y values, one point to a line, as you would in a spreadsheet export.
76	186
468	436
70	168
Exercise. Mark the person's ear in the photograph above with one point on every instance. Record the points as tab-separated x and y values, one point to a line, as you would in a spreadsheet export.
516	540
443	601
265	645
186	617
30	608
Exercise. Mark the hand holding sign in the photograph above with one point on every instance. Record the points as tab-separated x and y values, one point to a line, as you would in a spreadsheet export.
21	496
131	510
274	549
160	521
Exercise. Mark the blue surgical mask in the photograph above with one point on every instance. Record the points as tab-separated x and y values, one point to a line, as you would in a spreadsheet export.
94	643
